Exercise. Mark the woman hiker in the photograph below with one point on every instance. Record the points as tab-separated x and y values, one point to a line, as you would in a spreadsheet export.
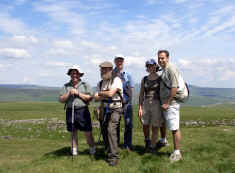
76	95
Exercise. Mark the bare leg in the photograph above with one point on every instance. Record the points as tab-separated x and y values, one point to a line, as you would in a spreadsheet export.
154	136
146	131
176	139
163	130
89	139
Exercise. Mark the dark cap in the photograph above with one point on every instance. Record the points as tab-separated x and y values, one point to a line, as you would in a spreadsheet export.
150	62
106	64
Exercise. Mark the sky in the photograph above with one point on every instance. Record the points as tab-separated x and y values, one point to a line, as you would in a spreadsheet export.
41	39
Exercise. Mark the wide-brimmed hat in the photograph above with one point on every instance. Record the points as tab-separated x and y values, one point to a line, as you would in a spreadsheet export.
119	56
106	64
75	67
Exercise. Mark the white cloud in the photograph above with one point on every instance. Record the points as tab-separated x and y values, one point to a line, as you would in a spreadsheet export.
12	25
62	12
180	1
221	27
58	64
25	39
14	53
27	80
151	2
63	44
228	75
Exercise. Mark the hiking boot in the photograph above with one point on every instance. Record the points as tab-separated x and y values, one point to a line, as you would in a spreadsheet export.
175	157
161	144
74	152
147	144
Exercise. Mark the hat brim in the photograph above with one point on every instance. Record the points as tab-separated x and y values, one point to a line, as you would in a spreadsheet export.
118	58
69	71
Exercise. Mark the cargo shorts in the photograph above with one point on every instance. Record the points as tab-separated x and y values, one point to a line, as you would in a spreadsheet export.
172	116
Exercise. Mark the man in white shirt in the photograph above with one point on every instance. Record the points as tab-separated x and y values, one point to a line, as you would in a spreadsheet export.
110	93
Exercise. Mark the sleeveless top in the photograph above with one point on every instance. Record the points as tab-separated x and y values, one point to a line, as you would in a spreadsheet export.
152	88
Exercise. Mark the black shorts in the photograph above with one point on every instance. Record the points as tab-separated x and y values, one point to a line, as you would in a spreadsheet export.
82	119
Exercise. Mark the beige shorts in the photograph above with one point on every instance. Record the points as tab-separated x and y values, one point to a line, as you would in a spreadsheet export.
152	113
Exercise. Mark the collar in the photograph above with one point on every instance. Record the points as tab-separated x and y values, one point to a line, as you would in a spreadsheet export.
116	71
79	82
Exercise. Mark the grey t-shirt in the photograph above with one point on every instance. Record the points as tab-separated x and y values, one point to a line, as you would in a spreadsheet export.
170	76
82	88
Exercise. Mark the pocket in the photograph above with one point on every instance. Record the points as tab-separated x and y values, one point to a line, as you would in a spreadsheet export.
115	117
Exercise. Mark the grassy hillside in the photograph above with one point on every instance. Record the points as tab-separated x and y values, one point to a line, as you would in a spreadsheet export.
198	95
33	139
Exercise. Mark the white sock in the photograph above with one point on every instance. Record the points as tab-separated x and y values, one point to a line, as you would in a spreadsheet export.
177	151
163	139
92	150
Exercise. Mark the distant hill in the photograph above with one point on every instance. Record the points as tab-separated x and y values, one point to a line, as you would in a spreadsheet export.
28	93
199	96
202	95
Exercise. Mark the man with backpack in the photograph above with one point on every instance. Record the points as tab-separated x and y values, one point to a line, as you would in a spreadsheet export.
170	105
110	94
128	88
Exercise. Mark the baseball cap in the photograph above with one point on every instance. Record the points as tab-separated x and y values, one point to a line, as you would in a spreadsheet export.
150	62
119	56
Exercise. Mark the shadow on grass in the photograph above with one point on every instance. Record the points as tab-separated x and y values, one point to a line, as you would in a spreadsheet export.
65	152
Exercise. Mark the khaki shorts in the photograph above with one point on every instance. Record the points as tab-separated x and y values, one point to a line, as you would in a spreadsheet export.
152	113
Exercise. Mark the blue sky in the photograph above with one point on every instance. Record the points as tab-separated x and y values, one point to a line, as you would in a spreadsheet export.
40	39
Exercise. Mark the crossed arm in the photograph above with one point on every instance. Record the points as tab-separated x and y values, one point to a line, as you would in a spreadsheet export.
105	94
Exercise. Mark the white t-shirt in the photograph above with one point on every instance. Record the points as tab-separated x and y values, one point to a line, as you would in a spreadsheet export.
106	85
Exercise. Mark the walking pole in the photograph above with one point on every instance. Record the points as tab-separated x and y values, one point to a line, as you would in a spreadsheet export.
72	126
99	139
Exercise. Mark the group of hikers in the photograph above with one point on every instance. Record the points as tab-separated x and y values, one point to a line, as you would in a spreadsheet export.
158	106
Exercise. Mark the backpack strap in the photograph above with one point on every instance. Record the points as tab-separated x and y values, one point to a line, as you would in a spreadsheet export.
118	92
165	84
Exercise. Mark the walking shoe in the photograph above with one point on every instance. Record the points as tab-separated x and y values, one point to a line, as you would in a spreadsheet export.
128	149
161	144
175	157
113	162
74	152
92	150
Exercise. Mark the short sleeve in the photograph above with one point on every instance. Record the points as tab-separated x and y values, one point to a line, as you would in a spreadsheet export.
117	83
131	83
173	78
63	91
88	89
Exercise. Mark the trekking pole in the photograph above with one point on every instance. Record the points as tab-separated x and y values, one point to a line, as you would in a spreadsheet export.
99	138
72	126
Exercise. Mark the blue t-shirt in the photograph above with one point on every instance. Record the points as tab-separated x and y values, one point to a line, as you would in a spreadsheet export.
127	84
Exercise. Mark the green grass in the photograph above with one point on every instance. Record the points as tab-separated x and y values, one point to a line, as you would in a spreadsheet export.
35	148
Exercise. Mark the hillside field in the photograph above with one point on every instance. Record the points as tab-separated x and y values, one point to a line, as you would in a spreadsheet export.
33	139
